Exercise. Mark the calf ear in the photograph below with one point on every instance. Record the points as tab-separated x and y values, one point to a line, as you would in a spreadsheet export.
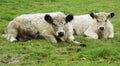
112	14
69	18
92	15
48	18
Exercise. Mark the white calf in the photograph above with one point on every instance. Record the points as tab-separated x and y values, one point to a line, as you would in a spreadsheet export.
51	26
95	25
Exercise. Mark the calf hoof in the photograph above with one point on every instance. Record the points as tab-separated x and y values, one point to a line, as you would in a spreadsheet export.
83	45
13	39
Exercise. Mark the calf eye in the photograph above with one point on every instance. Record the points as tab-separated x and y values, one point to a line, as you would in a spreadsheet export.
54	24
97	20
106	20
65	23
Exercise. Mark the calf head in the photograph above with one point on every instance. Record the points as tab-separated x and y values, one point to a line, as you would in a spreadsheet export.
58	23
101	19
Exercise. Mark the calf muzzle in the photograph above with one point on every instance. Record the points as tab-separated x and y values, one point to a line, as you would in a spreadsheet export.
101	28
60	34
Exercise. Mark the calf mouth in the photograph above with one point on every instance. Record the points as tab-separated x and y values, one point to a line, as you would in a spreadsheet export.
57	38
100	34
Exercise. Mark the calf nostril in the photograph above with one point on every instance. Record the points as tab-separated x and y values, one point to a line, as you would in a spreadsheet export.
61	34
101	28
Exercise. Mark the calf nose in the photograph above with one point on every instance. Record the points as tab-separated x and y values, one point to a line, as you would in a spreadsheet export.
61	34
101	28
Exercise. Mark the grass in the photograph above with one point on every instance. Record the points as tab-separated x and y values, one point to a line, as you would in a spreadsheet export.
39	52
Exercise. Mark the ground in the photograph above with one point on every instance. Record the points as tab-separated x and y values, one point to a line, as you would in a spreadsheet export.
39	52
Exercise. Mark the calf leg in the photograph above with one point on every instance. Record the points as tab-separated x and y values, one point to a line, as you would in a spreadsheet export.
94	36
51	38
72	39
91	34
111	33
11	35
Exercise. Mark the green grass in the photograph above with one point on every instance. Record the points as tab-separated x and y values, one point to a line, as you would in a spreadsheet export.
39	52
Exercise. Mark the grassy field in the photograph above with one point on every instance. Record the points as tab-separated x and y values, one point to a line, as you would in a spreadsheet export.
39	52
